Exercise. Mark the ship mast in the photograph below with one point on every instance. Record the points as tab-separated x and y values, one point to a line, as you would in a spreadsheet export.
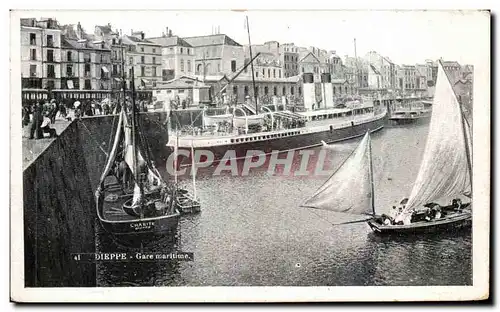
357	69
251	64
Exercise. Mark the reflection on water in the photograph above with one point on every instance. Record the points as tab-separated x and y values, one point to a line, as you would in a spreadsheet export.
251	231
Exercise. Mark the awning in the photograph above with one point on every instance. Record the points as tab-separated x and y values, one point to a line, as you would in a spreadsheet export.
118	79
70	84
105	69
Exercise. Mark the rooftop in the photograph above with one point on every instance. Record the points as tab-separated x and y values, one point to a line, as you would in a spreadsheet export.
220	39
170	41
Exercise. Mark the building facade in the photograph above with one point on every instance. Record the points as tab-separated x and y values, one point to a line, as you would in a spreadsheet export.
216	55
144	57
114	42
177	57
31	55
289	57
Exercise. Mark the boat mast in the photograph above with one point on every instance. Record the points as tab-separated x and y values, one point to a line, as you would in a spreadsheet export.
251	65
176	157
371	175
124	82
134	147
193	168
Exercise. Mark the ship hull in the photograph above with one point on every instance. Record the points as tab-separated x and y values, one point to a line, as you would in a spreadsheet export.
287	143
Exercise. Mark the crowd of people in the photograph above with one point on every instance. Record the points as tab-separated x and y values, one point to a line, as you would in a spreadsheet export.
42	115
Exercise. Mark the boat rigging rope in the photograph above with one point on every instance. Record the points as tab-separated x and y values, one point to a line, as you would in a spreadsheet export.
96	143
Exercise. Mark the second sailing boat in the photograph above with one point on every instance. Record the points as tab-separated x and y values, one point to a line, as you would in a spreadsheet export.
441	195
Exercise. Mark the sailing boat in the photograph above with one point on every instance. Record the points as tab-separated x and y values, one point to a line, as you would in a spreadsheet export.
132	198
441	195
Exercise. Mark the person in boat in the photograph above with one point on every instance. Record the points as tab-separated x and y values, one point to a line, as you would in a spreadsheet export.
456	204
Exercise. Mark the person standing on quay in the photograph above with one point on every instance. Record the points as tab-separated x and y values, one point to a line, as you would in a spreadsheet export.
36	130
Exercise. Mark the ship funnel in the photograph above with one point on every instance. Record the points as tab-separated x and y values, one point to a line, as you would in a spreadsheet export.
327	90
309	91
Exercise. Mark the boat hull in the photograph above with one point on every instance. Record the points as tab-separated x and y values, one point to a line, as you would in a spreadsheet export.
451	223
149	227
288	143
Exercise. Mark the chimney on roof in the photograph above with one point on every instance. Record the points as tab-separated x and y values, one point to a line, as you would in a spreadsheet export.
170	32
142	35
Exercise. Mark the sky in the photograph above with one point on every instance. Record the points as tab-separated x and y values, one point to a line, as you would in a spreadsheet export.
406	37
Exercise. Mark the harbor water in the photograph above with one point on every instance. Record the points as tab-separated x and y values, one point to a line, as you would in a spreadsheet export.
253	232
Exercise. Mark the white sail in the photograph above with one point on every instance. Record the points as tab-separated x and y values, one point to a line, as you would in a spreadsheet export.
349	189
444	170
114	150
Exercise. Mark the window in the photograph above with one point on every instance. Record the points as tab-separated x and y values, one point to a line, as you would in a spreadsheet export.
302	69
131	60
346	89
33	54
266	90
274	73
275	91
86	57
143	71
50	41
115	69
279	73
233	66
114	41
33	39
263	72
50	71
188	51
182	50
130	72
189	66
32	70
171	50
142	49
182	65
268	73
218	67
154	60
257	90
68	56
87	84
292	90
154	50
50	55
154	71
300	91
284	90
235	90
50	84
245	90
198	69
256	74
69	70
87	70
143	58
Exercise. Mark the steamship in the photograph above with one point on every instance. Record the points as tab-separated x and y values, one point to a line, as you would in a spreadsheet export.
280	130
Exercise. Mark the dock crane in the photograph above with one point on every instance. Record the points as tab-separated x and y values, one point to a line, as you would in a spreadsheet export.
230	80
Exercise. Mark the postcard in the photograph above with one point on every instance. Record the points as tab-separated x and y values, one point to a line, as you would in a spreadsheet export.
250	155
